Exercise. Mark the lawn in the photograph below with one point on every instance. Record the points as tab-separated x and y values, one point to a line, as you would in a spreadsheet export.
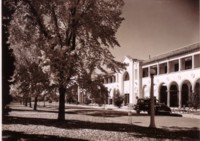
84	123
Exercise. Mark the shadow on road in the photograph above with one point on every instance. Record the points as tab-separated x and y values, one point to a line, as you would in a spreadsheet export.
133	130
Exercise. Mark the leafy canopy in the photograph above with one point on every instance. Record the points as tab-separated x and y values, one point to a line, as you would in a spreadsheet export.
68	39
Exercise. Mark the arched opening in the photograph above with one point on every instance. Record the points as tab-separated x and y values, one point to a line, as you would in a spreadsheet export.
185	92
163	94
196	101
197	87
126	87
174	95
126	76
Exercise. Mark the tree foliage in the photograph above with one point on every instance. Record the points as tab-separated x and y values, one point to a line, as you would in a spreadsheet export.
194	100
118	99
68	39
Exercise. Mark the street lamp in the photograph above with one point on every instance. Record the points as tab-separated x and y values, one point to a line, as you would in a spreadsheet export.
152	111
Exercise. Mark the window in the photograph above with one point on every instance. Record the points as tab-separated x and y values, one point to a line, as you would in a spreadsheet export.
166	69
145	72
155	68
126	76
188	63
176	67
163	68
197	61
113	79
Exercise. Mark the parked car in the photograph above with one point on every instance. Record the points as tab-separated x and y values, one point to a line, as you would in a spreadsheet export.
143	104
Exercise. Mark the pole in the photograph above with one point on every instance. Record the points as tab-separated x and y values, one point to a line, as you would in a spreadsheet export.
152	117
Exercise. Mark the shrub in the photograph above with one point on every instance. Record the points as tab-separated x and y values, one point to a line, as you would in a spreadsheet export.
118	100
99	101
87	101
194	100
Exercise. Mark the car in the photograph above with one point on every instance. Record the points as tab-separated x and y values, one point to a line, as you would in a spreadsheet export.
143	104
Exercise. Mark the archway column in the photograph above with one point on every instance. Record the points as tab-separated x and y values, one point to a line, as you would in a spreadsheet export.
158	69
168	97
179	97
159	93
193	87
168	67
193	61
179	64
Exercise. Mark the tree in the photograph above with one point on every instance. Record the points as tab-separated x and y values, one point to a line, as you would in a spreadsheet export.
118	99
7	58
31	81
72	96
194	100
63	33
39	82
98	92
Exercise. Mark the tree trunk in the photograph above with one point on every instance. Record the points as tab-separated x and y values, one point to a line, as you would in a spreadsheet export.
44	101
152	110
26	101
30	104
61	113
35	103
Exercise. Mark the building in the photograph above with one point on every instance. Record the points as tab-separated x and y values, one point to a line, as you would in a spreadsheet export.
177	77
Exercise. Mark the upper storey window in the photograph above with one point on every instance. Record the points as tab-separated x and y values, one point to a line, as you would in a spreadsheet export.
155	68
163	68
188	63
145	72
173	66
197	61
113	79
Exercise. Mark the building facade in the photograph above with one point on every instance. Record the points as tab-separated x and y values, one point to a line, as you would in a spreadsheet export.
177	77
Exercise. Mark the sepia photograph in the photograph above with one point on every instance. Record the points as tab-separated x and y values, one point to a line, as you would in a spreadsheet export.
100	70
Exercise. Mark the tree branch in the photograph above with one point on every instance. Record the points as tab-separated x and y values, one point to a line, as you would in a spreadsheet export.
37	18
56	24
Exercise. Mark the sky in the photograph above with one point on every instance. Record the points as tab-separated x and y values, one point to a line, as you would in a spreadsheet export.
153	27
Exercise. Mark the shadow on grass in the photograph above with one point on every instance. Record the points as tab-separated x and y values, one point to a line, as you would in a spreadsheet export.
132	130
110	113
94	112
90	112
31	110
98	113
20	136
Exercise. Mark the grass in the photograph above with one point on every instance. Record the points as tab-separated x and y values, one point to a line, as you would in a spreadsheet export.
86	124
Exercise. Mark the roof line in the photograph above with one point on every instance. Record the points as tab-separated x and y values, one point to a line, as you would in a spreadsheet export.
174	52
